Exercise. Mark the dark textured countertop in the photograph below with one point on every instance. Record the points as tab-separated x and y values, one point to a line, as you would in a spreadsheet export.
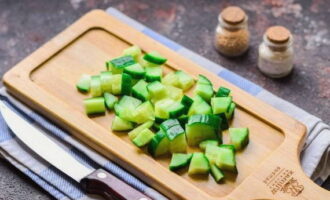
27	24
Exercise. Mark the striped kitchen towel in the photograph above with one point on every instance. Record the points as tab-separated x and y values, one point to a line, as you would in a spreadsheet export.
314	157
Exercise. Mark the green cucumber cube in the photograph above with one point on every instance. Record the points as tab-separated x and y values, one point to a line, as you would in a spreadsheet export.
239	137
179	160
143	138
198	164
83	85
119	124
203	144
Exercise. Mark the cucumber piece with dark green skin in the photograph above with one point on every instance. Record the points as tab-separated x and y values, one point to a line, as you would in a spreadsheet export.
179	160
211	152
83	85
220	104
140	91
204	88
203	144
133	133
126	84
95	86
202	127
239	137
117	65
222	92
198	164
226	159
143	138
199	106
216	173
176	110
224	121
155	57
154	73
94	105
159	144
187	102
176	135
229	146
106	81
133	51
231	110
135	70
110	100
119	124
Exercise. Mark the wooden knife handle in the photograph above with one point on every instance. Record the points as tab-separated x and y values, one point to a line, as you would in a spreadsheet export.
110	187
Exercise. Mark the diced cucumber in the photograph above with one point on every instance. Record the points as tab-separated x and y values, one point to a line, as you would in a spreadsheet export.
126	84
96	89
179	160
156	90
198	164
118	64
159	144
226	159
116	84
223	92
176	110
220	104
174	93
155	57
211	152
135	70
175	133
143	138
216	173
230	112
140	91
144	63
202	127
106	81
133	51
199	106
161	108
229	146
110	100
239	137
154	73
204	88
187	102
144	112
83	85
119	124
203	144
203	80
171	79
185	81
133	133
94	105
126	107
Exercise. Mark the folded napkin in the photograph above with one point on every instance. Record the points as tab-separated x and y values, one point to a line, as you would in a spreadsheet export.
314	157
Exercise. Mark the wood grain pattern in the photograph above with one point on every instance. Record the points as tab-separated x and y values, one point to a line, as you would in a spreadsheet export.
268	168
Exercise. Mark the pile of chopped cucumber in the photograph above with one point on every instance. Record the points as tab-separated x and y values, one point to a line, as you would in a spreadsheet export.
157	113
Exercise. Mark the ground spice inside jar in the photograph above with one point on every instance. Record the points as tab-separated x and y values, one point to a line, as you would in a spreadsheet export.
232	36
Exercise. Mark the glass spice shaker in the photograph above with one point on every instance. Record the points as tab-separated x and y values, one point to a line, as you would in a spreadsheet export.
276	52
232	35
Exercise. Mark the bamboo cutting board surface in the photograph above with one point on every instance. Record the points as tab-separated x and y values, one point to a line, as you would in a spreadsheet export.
268	168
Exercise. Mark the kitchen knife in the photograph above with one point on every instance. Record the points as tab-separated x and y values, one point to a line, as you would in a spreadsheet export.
94	181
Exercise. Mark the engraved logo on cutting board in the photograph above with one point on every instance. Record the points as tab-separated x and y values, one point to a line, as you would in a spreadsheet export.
282	180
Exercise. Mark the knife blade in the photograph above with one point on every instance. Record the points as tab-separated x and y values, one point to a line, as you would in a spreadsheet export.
94	181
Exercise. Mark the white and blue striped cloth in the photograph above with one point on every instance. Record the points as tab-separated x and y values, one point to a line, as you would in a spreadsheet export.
314	157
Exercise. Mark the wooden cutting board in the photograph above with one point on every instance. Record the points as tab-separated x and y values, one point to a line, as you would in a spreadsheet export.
268	168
